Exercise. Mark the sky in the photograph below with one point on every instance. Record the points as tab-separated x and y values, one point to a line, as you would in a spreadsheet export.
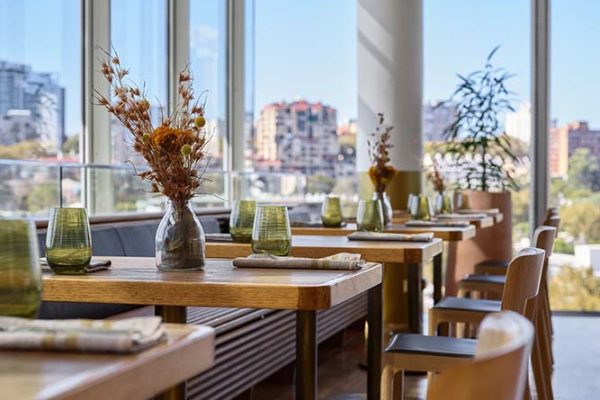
307	49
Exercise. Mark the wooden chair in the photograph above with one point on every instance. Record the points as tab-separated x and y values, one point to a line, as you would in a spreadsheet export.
471	310
499	369
435	353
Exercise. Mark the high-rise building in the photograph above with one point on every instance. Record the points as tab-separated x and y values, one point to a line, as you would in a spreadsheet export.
437	116
517	124
558	151
581	136
297	137
33	101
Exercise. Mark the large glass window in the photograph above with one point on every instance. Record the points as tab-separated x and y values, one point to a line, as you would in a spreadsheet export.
305	96
574	155
458	36
40	102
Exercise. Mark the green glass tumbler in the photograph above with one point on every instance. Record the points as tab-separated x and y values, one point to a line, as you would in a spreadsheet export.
443	204
331	212
20	273
271	233
369	216
421	208
68	241
241	220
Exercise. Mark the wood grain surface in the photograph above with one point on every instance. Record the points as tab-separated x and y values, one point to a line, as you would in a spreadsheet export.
135	280
53	375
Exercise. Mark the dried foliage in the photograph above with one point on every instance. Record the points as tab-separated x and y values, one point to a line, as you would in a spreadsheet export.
476	139
434	176
380	172
175	150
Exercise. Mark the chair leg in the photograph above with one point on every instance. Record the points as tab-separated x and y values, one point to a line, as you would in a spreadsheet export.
399	385
433	325
387	383
538	370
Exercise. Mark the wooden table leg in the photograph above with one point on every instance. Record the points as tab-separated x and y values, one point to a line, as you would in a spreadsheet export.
374	343
415	298
306	355
174	315
437	278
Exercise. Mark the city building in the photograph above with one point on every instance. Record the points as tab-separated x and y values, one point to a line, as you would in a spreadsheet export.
582	137
31	101
297	137
437	116
517	124
558	151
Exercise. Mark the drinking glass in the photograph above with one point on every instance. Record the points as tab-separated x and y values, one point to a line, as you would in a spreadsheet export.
411	199
331	212
241	220
461	201
271	233
369	216
68	241
443	204
421	208
20	273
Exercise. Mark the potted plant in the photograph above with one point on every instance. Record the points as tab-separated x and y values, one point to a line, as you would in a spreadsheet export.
381	171
482	153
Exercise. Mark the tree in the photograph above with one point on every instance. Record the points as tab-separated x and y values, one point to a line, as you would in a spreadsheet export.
71	145
42	197
584	171
581	219
27	149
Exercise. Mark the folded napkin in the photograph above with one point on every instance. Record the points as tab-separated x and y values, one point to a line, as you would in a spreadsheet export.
218	237
316	224
392	237
487	211
461	216
436	224
96	265
82	335
343	261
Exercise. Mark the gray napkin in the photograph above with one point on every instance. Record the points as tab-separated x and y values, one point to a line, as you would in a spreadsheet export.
82	335
462	216
218	237
392	237
436	224
96	265
341	261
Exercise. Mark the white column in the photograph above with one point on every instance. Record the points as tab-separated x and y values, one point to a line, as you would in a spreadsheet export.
390	77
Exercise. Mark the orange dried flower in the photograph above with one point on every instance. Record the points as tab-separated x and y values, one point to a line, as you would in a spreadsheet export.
380	172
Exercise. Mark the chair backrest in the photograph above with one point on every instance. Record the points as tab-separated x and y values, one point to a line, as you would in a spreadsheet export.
499	369
523	279
543	238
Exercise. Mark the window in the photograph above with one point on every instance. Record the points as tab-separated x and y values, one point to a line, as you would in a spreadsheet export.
458	36
40	102
574	155
305	94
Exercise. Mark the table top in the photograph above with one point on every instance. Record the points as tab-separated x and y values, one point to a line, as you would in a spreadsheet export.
446	233
51	375
486	222
136	280
323	246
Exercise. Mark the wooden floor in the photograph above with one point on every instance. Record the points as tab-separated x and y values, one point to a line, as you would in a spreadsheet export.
577	376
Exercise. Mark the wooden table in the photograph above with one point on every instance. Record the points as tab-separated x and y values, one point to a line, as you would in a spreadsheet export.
413	254
134	280
445	233
49	375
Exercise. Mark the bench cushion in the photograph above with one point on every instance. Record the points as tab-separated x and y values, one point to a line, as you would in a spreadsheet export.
465	304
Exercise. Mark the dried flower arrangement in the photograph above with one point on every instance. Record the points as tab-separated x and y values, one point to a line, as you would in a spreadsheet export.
380	172
175	150
434	176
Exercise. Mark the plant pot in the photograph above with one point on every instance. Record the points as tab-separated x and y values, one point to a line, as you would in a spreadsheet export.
493	243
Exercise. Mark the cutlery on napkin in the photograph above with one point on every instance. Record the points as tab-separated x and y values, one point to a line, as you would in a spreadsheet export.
82	335
341	261
391	237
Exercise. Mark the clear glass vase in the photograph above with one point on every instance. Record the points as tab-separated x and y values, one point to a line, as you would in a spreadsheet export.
20	272
180	244
386	207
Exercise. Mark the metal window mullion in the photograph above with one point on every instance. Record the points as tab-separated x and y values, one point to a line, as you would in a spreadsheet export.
178	45
235	83
96	140
540	110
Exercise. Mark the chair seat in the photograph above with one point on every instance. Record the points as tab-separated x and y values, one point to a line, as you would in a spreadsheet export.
465	304
495	263
493	279
431	345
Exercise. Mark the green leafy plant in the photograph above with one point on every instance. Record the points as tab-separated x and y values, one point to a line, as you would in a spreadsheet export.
480	148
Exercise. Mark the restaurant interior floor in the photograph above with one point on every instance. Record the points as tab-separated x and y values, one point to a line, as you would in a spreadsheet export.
576	346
